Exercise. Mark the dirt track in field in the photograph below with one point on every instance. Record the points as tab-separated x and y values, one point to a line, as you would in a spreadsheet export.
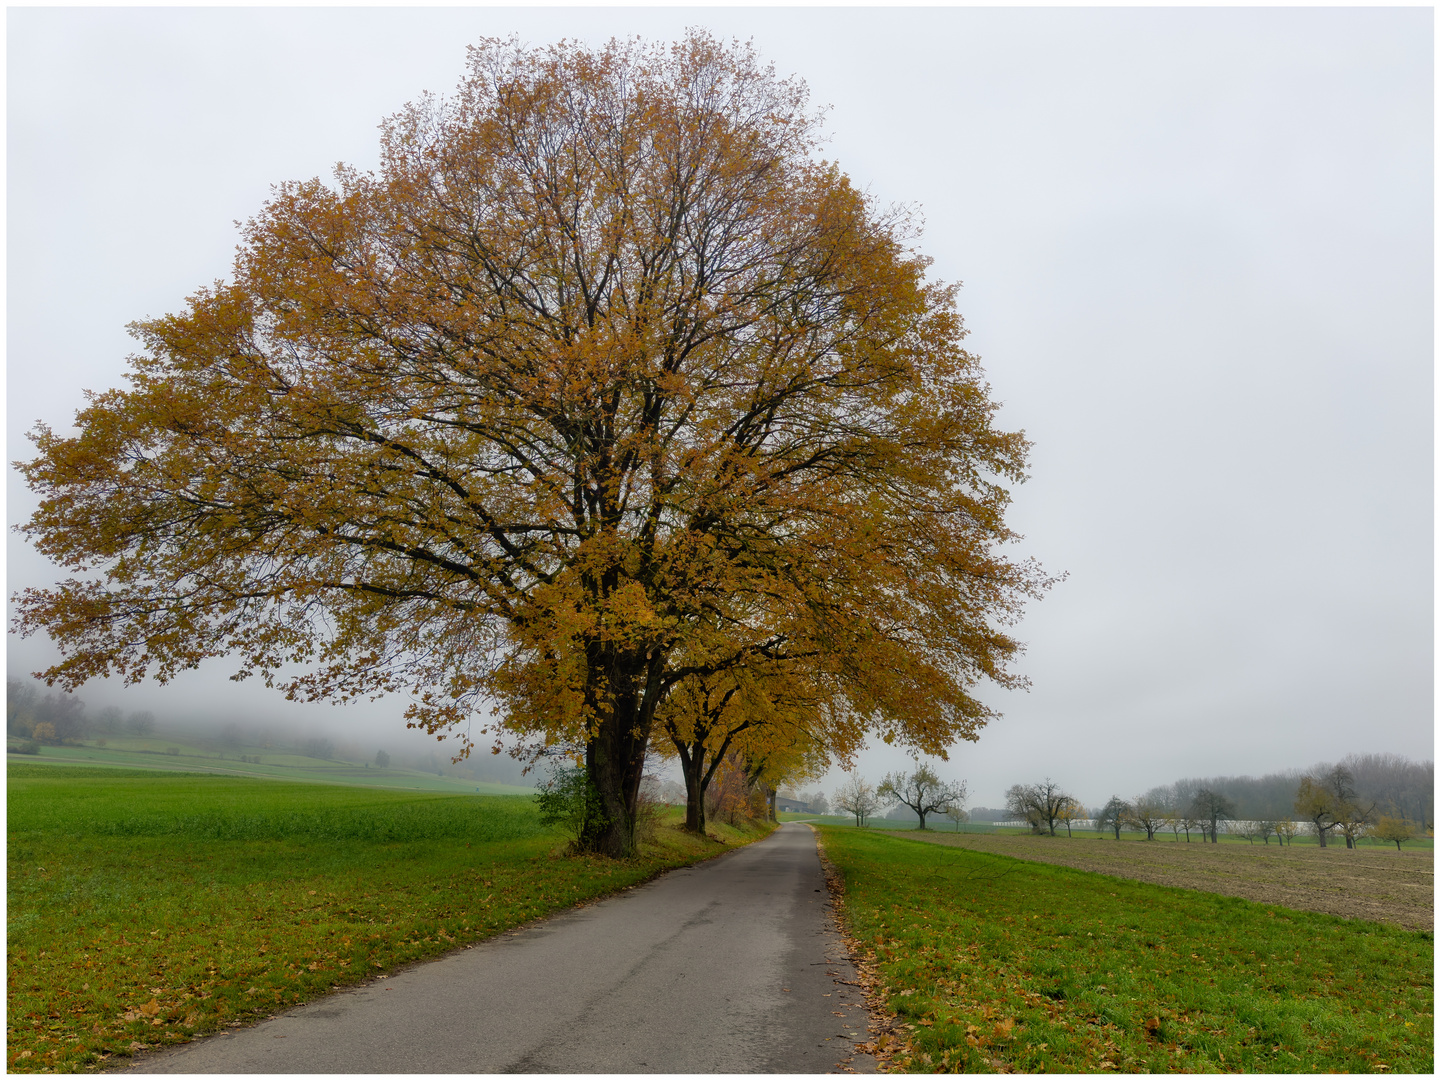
1366	883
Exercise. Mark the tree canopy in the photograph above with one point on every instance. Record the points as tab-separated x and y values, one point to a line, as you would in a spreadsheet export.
602	382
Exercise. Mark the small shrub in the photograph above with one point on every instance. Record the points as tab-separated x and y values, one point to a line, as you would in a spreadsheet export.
568	799
648	812
27	746
173	751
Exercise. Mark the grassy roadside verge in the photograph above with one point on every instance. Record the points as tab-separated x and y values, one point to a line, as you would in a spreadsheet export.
148	909
994	964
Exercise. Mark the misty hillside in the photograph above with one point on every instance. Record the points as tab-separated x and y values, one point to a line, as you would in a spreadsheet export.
35	718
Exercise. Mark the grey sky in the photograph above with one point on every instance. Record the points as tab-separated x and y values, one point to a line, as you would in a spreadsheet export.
1197	249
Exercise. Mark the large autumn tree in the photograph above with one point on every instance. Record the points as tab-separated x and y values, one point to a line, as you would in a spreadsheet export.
603	381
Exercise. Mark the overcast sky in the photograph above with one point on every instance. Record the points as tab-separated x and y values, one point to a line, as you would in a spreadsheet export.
1197	255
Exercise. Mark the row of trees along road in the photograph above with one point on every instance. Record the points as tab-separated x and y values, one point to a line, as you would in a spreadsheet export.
1391	803
603	399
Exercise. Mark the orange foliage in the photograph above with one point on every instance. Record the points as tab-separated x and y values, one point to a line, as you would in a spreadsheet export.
602	382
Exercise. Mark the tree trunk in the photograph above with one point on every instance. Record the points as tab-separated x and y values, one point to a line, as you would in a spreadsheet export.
615	755
1320	833
692	767
610	762
770	801
922	819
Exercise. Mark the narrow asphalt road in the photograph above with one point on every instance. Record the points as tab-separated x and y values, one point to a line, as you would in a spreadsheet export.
734	965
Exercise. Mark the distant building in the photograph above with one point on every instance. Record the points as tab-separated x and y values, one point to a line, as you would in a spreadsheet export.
791	806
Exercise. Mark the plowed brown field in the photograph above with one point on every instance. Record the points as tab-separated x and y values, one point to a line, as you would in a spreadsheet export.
1367	883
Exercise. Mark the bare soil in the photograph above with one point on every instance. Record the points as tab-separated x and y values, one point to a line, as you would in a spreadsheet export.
1364	883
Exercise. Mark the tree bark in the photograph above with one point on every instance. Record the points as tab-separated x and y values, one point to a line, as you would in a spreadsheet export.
692	765
622	692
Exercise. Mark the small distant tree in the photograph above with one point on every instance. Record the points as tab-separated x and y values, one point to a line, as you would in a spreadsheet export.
1172	821
1285	831
1392	830
922	791
45	733
1147	815
818	803
1189	821
1352	815
111	719
956	813
1265	830
1070	813
382	759
1210	808
856	797
142	722
1113	816
1355	823
1040	805
1316	804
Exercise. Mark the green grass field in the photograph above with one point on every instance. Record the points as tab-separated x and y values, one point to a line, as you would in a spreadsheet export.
153	752
147	908
997	965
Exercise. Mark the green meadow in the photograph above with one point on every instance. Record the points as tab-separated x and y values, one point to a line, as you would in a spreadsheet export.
147	908
995	964
177	753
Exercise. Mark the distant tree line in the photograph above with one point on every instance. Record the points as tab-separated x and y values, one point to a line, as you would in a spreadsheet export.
56	719
1386	796
1391	781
